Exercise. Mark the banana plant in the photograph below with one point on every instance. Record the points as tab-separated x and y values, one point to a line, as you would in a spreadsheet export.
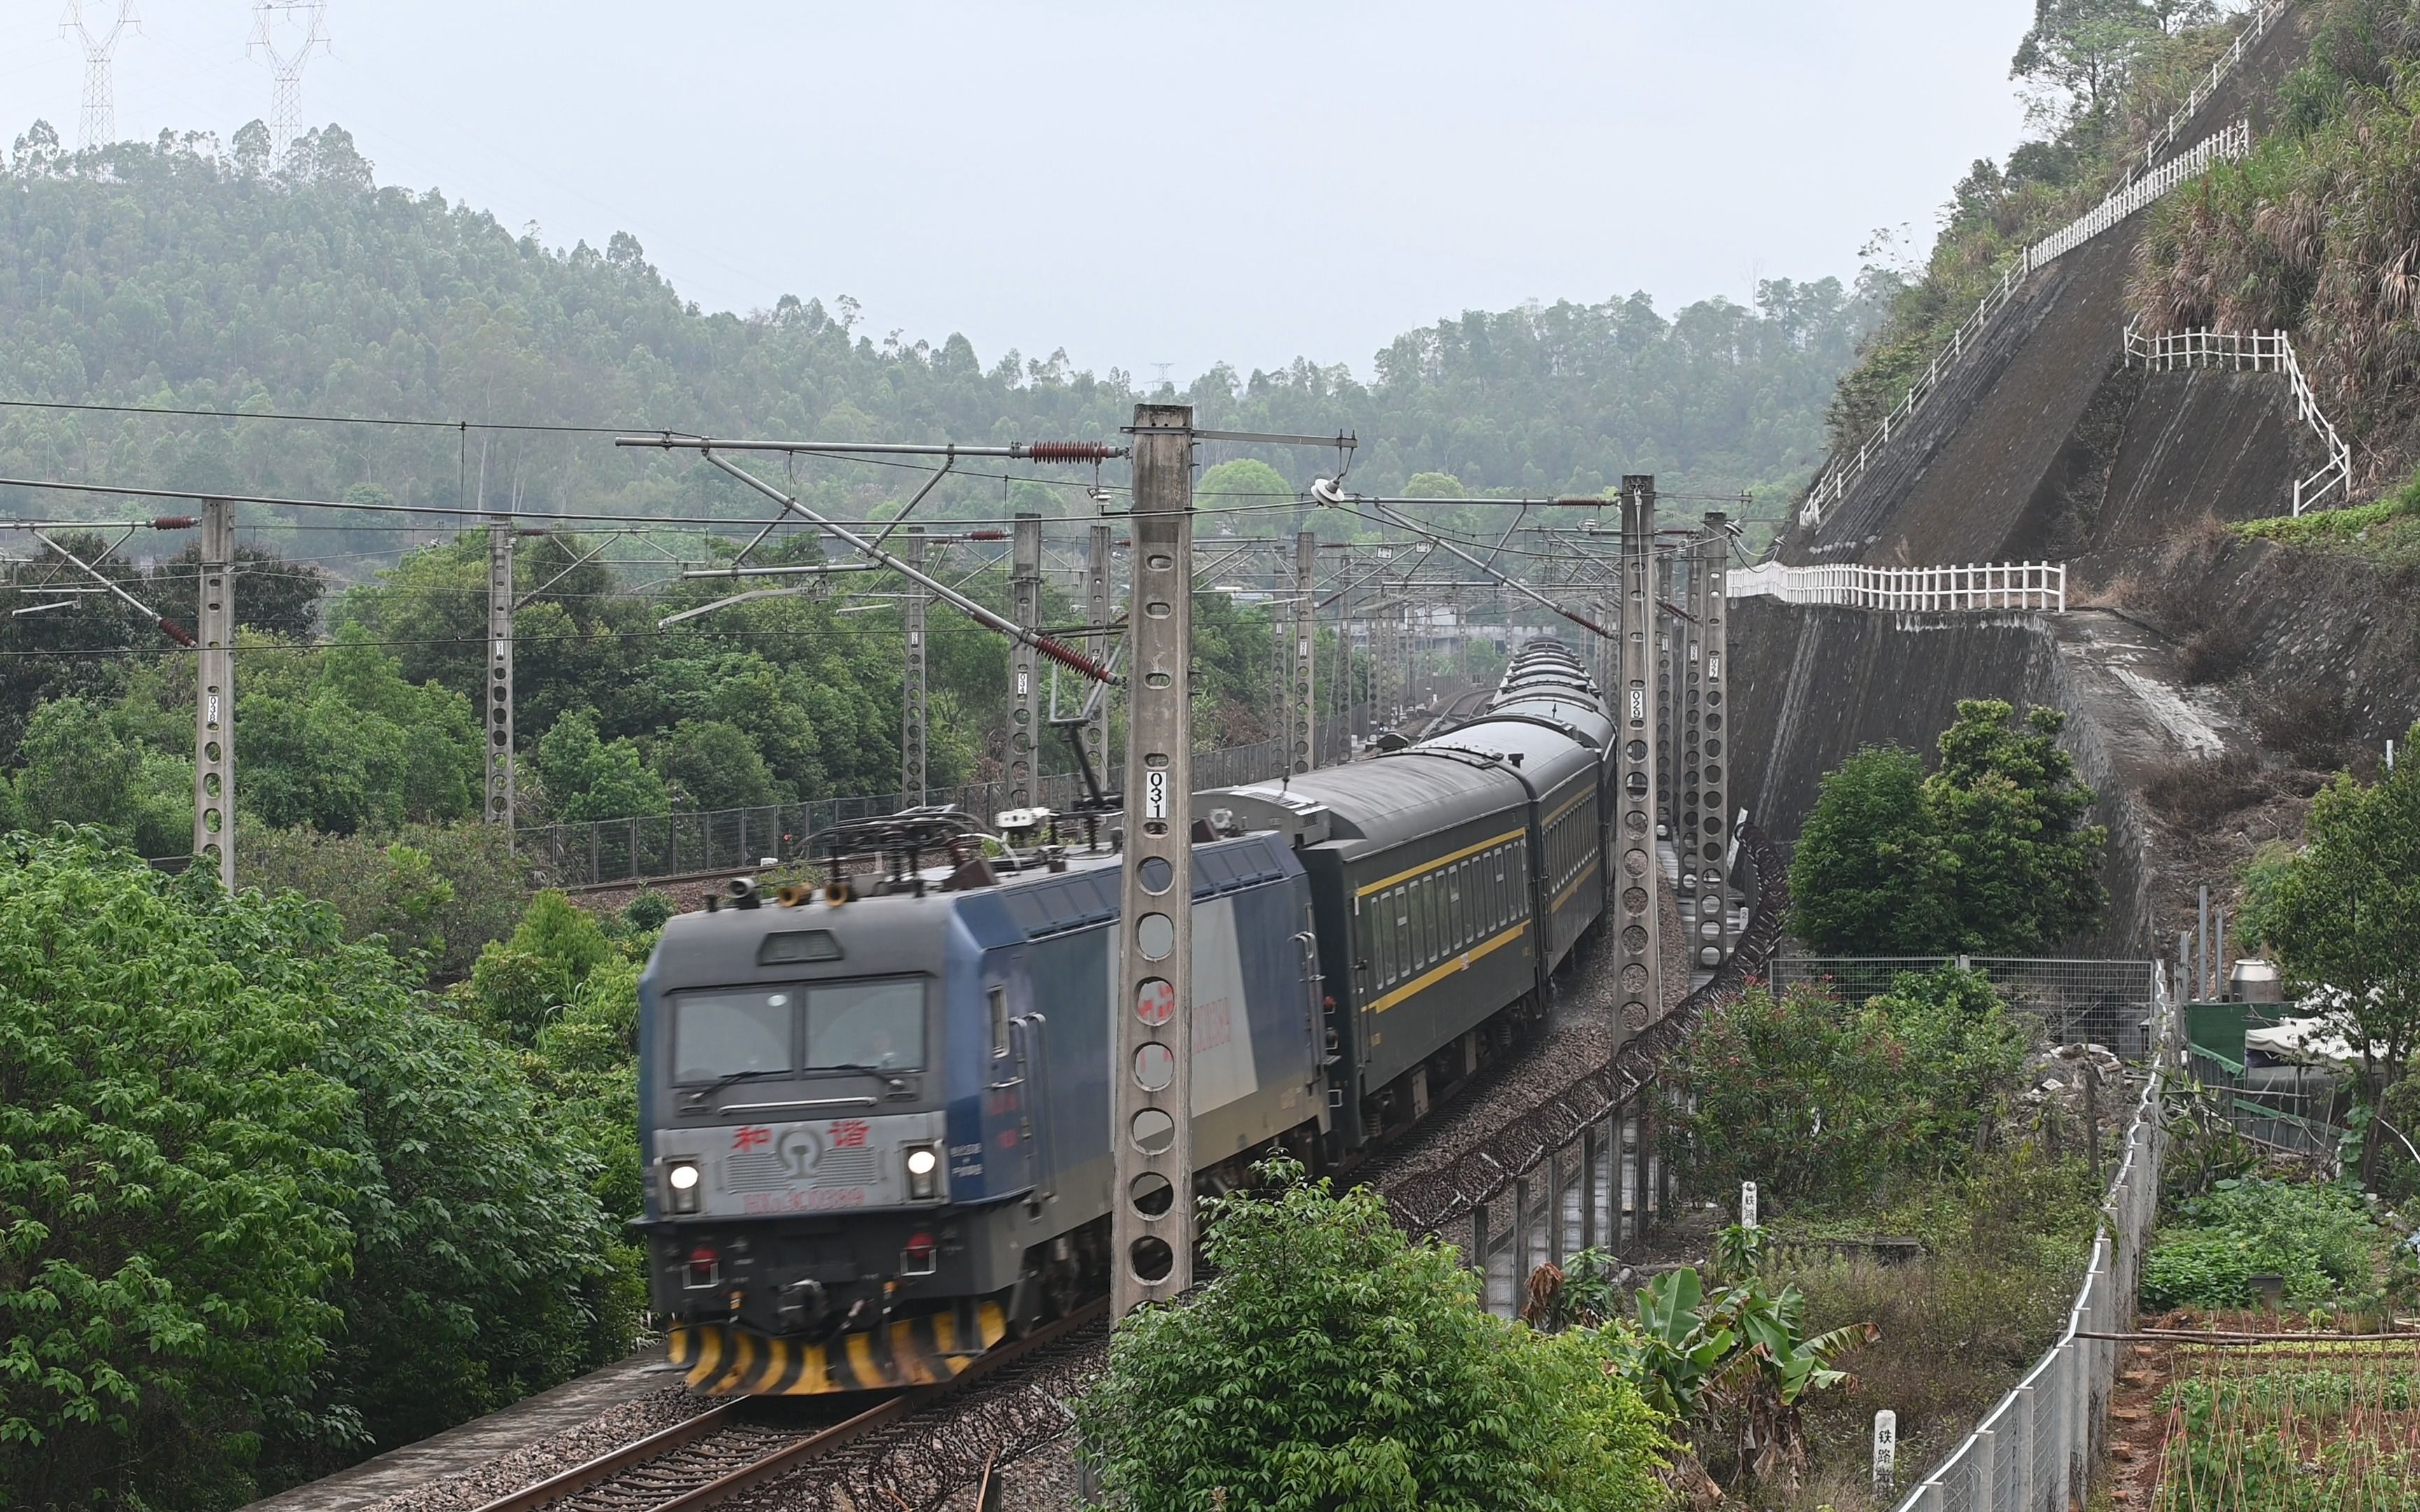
1756	1391
1677	1346
1736	1361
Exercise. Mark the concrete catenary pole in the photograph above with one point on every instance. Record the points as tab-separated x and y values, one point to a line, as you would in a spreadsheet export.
1025	607
214	696
499	803
1707	774
1637	945
1151	1250
1669	655
1302	716
912	702
1096	613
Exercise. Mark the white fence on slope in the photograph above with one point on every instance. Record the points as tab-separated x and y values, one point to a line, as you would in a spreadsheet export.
1974	587
2255	28
2234	142
2253	351
2034	1451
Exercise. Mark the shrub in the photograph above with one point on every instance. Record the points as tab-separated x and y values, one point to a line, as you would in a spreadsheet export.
1819	1100
2195	793
2309	723
440	892
1333	1363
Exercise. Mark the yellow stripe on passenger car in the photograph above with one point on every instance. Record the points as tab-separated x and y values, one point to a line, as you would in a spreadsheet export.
1585	794
1441	861
1565	896
1460	962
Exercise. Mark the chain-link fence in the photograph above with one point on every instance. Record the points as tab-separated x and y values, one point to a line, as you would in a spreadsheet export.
601	852
2034	1451
2108	1003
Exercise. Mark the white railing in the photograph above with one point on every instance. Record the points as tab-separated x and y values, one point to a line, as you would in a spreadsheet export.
1979	586
2232	143
2228	144
2037	1448
2255	28
2253	351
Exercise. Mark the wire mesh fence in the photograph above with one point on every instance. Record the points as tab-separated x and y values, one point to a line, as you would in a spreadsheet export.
2109	1003
602	852
2035	1448
1606	1180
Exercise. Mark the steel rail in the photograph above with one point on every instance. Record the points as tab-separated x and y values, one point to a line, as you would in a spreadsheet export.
781	1461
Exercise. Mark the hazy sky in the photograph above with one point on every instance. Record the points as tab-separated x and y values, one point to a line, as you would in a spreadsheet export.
1141	184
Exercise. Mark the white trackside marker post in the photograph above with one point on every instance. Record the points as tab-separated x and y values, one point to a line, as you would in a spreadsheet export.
1747	1204
1885	1450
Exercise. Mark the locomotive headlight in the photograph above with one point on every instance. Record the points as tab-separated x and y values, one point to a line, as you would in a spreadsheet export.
681	1178
923	1163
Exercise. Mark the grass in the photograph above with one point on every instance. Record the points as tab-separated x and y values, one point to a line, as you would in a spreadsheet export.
2386	530
2005	1248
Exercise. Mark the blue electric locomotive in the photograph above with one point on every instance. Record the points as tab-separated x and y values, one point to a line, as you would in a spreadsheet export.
876	1122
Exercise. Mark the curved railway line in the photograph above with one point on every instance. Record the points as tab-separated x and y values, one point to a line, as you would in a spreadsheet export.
917	1451
713	1457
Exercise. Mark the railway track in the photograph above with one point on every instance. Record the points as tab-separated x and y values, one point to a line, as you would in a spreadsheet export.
714	1457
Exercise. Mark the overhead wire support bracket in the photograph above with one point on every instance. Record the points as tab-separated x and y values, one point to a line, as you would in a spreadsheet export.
1325	491
1342	441
1065	655
1015	450
167	626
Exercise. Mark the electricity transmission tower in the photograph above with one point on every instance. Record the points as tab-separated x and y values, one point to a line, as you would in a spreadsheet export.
99	123
288	31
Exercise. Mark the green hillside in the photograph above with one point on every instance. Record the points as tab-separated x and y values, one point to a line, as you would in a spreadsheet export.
182	274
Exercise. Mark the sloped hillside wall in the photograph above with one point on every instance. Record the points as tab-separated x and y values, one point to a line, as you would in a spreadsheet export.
1984	468
1810	685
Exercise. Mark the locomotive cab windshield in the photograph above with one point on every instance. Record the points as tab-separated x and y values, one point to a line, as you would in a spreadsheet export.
798	1031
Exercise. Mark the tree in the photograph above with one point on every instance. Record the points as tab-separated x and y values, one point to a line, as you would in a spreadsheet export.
1864	878
588	778
2021	867
2343	916
1989	853
77	771
715	765
1334	1364
263	1209
2079	53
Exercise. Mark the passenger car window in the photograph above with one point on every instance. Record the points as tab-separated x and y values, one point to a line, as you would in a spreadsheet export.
872	1024
721	1034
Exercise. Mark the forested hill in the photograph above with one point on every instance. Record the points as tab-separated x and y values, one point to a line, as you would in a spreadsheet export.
187	275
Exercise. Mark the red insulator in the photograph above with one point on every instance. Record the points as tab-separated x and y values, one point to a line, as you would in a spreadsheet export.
1074	660
986	536
173	522
176	632
1068	451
